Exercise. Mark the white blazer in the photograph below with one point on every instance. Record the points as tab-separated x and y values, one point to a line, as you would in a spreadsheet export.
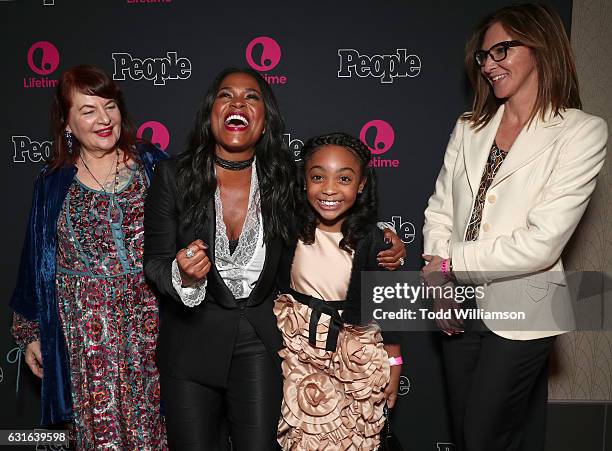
532	208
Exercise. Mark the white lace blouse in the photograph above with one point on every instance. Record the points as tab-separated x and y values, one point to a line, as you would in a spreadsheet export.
239	270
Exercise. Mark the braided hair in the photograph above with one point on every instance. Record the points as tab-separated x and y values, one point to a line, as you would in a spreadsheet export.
362	215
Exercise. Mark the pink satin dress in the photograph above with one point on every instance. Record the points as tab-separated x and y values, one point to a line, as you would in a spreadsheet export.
332	400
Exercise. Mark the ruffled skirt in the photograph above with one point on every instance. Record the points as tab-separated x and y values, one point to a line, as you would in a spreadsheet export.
332	401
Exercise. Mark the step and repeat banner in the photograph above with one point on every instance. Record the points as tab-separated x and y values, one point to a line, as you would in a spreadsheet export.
388	72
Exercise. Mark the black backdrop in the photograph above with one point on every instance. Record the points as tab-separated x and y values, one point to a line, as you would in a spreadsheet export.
390	72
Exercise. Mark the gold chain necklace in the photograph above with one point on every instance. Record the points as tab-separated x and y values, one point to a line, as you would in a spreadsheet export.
109	172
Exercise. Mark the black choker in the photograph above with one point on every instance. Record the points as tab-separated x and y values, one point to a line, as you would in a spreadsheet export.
234	165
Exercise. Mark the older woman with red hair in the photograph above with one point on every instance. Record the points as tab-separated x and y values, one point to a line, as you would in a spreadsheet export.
83	312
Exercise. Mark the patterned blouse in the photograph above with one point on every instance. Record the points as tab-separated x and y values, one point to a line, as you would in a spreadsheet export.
494	162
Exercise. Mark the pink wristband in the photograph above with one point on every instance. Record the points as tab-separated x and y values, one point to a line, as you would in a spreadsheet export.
445	269
394	361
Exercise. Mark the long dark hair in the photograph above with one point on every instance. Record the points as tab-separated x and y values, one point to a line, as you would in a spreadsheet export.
275	169
539	27
362	215
92	81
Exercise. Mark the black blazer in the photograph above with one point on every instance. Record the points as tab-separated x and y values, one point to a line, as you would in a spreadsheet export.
364	259
196	343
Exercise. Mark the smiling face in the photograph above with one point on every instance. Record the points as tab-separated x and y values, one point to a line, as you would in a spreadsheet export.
516	76
333	181
95	122
238	115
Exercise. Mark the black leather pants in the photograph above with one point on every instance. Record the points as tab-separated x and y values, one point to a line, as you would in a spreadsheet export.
199	417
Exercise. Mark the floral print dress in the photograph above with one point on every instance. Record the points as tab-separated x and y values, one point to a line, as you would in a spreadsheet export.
109	318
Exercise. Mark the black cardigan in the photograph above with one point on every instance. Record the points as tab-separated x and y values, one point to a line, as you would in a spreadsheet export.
364	259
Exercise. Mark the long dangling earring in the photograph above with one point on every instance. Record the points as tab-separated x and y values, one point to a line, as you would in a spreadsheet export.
69	140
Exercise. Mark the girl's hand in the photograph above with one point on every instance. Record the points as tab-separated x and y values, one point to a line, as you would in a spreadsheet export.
33	358
393	350
393	386
392	258
193	263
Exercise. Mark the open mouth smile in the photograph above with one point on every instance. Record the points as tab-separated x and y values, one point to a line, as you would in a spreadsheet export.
497	78
236	122
329	204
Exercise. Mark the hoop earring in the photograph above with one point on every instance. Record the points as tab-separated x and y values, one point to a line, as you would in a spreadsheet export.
69	140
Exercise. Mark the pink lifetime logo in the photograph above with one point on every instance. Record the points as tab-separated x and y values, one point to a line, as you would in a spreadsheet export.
156	132
270	53
43	58
384	136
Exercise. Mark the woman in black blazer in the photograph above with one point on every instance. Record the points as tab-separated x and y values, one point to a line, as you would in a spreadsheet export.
217	219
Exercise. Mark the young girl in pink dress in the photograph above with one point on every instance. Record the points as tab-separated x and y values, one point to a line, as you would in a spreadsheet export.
337	370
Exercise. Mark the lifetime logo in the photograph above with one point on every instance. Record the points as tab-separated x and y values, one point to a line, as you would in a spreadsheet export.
158	70
25	149
384	67
379	136
154	132
43	59
263	54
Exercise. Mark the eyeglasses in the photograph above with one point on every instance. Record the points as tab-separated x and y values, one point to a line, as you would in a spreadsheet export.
498	52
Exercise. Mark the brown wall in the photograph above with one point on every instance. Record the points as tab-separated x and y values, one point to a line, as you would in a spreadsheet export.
582	363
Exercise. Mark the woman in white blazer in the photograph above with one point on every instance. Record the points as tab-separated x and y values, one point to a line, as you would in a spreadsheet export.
517	177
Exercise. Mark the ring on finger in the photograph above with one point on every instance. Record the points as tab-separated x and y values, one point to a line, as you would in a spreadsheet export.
189	252
401	261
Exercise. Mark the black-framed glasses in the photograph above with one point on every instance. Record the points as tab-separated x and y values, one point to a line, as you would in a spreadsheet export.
497	52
